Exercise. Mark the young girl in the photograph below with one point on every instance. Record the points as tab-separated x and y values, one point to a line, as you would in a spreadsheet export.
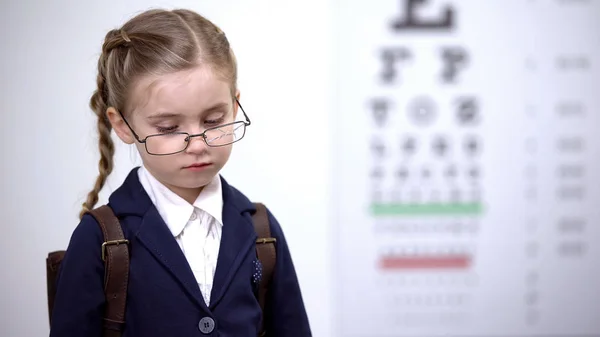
167	83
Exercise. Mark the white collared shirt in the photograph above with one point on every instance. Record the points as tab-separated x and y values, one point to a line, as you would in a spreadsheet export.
197	227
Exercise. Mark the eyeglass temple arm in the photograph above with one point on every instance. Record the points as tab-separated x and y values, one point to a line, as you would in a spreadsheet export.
244	112
130	128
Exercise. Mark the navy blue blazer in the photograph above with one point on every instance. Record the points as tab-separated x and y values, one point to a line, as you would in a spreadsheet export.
164	299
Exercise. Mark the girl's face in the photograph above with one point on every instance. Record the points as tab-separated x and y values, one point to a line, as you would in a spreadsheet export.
189	101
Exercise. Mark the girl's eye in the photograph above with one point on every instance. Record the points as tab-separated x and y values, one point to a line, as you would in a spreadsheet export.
167	129
214	121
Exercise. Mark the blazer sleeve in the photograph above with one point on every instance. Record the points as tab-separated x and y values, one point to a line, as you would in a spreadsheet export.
79	302
285	313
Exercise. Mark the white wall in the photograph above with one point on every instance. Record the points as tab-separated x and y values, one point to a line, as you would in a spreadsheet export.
47	74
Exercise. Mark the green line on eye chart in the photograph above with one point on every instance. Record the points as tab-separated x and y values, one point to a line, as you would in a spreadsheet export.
398	209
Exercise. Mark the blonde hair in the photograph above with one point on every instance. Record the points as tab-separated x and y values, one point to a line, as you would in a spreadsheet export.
154	42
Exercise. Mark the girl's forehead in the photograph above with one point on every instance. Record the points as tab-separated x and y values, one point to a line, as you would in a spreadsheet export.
190	90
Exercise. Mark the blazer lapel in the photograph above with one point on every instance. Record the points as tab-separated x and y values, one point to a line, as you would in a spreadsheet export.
237	241
156	237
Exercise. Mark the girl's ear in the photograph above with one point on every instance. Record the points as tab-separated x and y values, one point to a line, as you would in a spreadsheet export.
118	124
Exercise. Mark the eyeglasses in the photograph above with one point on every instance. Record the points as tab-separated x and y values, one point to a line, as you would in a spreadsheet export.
174	142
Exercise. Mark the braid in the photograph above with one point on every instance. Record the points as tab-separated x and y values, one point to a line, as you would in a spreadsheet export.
99	104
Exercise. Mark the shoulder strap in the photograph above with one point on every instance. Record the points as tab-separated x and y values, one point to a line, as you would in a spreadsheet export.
265	249
115	254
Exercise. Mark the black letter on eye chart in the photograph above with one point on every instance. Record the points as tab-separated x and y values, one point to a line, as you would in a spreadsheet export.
412	22
468	111
377	147
379	108
390	58
454	59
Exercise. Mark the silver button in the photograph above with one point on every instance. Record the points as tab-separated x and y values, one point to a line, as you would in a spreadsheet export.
206	325
194	216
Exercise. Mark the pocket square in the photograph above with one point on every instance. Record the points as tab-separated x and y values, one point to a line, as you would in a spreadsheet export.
257	274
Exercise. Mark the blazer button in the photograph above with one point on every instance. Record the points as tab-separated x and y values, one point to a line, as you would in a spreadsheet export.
206	325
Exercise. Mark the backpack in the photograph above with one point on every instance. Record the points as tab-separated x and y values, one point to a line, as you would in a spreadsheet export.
115	254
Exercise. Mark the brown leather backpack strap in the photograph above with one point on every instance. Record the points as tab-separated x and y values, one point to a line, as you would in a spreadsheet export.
265	249
53	261
115	253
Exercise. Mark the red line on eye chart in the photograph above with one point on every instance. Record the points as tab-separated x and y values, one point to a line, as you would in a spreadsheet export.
425	262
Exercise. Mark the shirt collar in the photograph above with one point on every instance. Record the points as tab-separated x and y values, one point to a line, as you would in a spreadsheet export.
174	210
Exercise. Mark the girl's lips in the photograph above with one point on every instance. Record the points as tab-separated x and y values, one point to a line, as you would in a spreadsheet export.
197	166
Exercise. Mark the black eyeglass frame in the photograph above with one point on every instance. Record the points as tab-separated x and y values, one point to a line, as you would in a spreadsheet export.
189	136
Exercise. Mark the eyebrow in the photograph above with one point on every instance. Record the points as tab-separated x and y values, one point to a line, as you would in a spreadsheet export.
217	106
164	115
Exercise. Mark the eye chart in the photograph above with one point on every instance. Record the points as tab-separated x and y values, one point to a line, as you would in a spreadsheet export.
467	168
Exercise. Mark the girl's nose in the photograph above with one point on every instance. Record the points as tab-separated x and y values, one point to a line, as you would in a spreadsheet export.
197	145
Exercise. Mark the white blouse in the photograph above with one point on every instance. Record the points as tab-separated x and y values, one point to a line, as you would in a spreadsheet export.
196	227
